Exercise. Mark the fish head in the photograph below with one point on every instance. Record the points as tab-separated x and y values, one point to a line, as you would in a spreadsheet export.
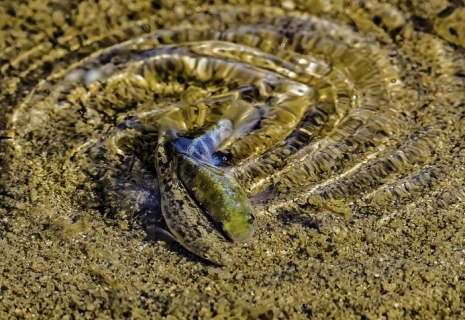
240	222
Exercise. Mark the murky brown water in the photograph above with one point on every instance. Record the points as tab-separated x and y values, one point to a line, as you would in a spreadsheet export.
359	149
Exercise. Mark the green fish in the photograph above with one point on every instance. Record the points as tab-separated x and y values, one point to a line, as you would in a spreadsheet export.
195	192
185	219
216	191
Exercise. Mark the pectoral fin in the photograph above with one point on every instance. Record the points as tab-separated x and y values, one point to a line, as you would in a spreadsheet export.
157	233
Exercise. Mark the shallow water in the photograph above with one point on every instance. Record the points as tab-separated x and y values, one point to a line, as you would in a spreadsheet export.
360	139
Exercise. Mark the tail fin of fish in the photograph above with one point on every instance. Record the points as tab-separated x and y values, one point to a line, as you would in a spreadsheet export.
244	117
168	128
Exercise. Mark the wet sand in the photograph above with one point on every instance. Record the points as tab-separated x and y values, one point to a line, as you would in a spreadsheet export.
400	260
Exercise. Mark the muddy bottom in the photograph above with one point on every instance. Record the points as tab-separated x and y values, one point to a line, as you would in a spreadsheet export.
74	248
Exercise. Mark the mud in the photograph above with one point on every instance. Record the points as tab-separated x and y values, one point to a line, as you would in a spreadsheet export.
397	252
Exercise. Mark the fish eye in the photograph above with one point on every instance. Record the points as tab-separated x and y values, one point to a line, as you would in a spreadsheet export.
251	219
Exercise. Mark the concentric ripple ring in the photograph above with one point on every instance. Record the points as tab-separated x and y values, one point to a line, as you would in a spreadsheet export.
339	131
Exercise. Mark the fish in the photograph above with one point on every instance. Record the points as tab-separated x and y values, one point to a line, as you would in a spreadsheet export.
198	199
217	192
184	218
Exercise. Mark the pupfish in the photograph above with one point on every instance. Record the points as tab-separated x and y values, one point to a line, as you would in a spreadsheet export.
183	216
194	192
216	191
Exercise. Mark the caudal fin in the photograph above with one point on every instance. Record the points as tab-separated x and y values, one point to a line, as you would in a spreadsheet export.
244	117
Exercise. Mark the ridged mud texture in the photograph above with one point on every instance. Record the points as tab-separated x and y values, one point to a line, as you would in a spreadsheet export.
356	168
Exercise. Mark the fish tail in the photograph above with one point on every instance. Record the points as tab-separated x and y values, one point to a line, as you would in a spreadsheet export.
244	117
168	128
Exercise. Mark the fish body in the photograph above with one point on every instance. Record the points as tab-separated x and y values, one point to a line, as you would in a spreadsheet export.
195	192
184	218
216	191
